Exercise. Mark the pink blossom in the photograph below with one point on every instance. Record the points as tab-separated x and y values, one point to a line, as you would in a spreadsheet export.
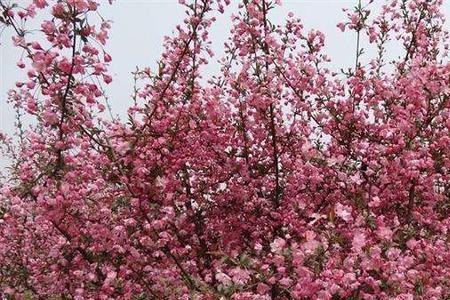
40	3
359	241
384	233
263	288
344	212
107	78
278	245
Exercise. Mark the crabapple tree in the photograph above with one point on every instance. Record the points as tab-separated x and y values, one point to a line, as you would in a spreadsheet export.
277	178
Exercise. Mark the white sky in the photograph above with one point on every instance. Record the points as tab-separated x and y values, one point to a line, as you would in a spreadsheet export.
139	26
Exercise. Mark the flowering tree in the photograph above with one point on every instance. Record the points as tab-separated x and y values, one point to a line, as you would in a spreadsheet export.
277	179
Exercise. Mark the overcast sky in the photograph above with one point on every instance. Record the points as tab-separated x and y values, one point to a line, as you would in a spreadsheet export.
139	26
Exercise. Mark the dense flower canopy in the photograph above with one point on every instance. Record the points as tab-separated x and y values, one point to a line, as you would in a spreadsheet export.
276	179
